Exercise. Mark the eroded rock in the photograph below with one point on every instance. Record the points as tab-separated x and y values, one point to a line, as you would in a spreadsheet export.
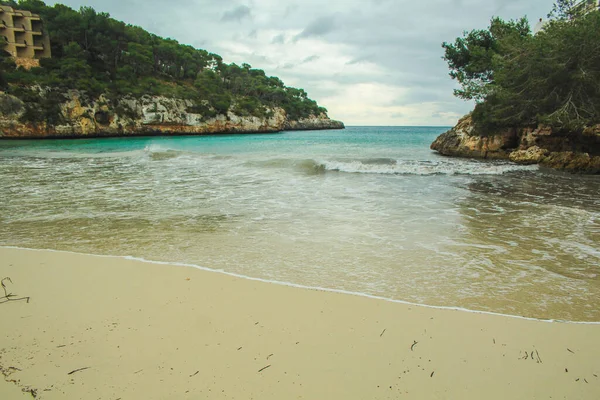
577	152
532	155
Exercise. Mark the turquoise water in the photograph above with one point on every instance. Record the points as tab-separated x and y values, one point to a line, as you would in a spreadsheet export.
368	210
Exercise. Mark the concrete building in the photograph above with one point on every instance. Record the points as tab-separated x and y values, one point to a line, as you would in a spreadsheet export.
24	34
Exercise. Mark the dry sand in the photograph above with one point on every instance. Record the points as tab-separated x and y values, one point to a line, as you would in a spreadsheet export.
149	331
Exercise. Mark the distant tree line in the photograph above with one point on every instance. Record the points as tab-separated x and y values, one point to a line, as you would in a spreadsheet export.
521	79
97	54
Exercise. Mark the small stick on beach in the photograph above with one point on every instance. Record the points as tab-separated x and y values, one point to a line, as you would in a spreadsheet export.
538	357
382	333
9	296
194	374
413	345
263	368
570	350
77	370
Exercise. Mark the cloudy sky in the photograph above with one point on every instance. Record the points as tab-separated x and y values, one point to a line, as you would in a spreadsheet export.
369	62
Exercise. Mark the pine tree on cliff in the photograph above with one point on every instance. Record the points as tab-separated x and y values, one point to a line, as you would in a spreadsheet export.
520	79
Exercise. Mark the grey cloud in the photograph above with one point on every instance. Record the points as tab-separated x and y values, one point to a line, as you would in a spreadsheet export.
286	66
290	10
318	27
361	59
289	65
237	14
278	39
253	34
310	59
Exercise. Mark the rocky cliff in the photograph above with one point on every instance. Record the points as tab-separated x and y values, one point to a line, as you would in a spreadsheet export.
77	116
577	152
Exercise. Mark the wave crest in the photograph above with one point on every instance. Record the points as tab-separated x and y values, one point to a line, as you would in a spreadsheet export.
414	167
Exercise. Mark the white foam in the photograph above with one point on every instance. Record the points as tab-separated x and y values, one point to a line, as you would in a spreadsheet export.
413	167
290	284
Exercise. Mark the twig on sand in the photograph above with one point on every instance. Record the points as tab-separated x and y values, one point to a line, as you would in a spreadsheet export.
77	370
9	296
382	332
263	368
31	391
195	373
431	376
413	345
570	350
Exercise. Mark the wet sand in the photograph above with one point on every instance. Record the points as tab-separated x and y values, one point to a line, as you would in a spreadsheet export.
110	328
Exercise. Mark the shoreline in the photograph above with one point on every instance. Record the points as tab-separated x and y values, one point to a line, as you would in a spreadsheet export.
305	287
162	134
110	327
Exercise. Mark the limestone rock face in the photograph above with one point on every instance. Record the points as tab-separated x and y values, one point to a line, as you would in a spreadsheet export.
313	123
463	141
532	155
577	152
573	162
148	115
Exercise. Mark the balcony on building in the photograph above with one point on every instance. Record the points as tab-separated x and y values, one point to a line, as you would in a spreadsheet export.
20	36
36	26
22	50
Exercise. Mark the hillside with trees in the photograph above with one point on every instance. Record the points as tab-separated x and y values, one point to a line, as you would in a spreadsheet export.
519	79
98	55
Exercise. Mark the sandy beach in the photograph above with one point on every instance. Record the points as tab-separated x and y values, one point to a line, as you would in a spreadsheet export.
114	328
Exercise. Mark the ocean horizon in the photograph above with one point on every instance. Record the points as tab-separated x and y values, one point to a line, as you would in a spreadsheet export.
368	210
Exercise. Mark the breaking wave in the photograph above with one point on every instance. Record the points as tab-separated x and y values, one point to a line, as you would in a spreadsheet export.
413	167
389	166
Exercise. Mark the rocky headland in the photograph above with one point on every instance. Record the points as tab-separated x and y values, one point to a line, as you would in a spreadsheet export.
576	152
77	116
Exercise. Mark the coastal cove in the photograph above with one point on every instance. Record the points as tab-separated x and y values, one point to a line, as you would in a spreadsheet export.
180	224
367	210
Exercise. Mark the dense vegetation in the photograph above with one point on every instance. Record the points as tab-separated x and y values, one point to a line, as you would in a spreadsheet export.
100	55
521	79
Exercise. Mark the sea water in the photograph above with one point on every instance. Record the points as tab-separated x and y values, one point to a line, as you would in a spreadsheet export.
367	210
